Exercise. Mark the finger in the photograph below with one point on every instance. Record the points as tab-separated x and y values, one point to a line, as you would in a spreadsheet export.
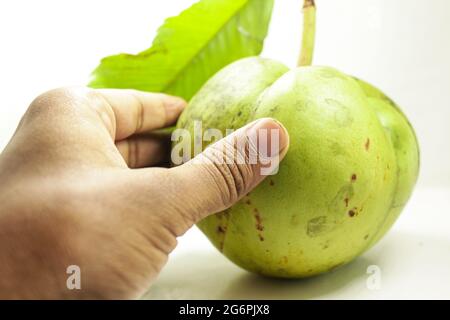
204	185
127	112
78	125
145	150
230	168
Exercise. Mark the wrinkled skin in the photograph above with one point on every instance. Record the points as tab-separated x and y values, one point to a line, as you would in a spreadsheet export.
351	167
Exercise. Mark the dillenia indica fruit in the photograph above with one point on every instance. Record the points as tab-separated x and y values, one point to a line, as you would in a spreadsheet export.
351	166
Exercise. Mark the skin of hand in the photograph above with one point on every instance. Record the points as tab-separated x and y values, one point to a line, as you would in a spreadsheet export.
79	185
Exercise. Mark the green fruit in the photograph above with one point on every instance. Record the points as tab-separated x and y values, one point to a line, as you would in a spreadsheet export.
351	166
404	141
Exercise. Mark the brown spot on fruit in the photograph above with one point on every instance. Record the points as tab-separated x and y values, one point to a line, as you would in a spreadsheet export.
346	202
261	238
271	182
367	145
353	212
338	202
258	219
248	202
222	227
354	177
257	216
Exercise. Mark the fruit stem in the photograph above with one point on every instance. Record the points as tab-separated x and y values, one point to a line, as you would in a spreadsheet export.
309	33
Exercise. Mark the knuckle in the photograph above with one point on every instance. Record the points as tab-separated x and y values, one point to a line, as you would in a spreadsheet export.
59	99
231	168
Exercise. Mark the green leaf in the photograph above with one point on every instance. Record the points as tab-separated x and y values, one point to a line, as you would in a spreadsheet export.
190	48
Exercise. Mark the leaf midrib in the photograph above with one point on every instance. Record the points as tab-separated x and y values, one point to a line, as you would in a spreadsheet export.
189	61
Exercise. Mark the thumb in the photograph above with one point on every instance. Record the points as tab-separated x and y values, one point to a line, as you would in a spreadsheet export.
230	168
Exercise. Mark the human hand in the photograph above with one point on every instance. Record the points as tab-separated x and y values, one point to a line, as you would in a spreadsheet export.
78	187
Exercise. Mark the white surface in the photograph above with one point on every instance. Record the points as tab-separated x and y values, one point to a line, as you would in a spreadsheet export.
401	46
414	260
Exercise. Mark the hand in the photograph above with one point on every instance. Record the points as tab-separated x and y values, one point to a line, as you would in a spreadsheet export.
76	189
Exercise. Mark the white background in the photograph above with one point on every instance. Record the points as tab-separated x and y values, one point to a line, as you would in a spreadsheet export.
402	46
